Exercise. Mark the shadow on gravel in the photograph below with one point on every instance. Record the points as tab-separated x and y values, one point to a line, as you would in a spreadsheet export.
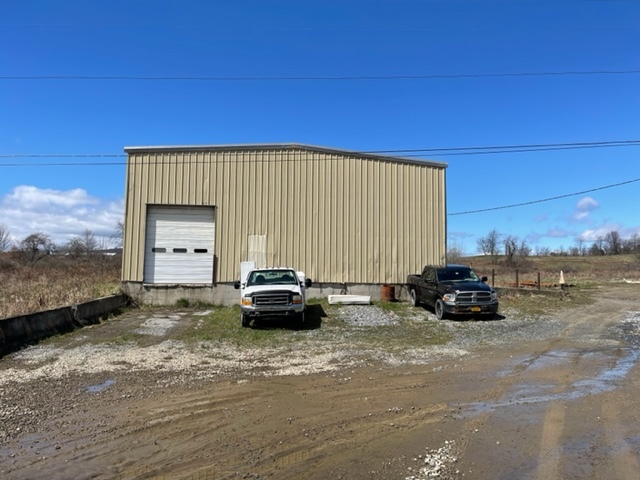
312	321
466	318
481	318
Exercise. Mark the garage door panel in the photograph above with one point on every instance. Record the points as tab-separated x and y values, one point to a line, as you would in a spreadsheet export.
170	268
179	245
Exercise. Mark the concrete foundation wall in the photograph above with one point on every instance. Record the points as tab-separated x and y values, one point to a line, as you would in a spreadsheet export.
15	332
225	294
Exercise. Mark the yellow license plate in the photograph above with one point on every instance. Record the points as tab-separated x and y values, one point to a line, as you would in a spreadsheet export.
475	309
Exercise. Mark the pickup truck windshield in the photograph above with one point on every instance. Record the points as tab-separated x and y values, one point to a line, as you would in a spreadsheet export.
457	275
272	277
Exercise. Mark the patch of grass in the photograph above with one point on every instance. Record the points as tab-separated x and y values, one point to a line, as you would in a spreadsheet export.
193	305
395	307
531	303
223	325
323	323
127	337
408	334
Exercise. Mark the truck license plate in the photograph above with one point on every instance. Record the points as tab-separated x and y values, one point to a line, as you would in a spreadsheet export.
475	309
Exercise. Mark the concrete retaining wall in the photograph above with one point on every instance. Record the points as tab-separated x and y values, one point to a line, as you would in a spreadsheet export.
16	332
225	294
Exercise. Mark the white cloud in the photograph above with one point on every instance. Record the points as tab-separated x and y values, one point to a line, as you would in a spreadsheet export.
587	203
25	196
593	234
61	214
584	207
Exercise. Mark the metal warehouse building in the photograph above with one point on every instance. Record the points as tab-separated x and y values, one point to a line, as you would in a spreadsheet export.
351	221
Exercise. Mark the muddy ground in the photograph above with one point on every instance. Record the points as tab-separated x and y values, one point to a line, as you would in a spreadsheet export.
562	403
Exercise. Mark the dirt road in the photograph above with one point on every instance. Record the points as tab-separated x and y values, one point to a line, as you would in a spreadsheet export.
561	407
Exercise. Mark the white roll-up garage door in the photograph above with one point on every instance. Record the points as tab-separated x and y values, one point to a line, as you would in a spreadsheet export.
179	245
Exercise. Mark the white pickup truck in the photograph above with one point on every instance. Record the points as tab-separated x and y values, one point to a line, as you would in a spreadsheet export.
272	292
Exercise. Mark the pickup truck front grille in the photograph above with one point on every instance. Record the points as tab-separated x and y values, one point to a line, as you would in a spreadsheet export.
473	297
269	299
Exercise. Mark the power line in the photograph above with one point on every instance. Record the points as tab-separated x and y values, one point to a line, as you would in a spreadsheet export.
468	212
313	78
533	145
557	197
523	150
478	150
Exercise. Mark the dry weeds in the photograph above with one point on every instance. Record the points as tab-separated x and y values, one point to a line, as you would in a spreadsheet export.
583	270
54	282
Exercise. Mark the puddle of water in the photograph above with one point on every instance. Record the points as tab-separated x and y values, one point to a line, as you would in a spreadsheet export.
608	379
605	381
535	363
549	360
101	387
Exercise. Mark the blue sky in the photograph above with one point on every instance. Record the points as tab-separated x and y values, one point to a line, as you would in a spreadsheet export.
437	39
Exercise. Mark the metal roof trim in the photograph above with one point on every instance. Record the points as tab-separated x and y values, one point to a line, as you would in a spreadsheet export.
280	146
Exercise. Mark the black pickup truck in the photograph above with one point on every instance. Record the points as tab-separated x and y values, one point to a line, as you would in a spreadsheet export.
453	290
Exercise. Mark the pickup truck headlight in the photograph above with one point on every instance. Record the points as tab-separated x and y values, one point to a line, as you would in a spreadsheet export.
449	297
494	295
246	301
296	299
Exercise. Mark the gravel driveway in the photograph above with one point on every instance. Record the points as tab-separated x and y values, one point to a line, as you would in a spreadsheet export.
78	393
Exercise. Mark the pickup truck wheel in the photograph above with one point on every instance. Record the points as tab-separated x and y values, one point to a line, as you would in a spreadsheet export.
245	320
414	298
297	321
439	309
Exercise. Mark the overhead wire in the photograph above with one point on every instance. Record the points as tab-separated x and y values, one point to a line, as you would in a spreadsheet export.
465	151
493	149
313	78
557	197
532	145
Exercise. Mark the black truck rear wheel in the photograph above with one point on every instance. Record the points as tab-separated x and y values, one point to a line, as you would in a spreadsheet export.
439	309
414	298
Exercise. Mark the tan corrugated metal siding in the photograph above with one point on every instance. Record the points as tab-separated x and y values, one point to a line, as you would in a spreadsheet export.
339	217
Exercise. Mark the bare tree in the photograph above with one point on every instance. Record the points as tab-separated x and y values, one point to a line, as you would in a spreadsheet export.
515	250
543	251
455	254
613	243
85	244
35	247
510	250
632	244
5	238
597	247
74	247
561	252
118	235
524	250
90	242
488	244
